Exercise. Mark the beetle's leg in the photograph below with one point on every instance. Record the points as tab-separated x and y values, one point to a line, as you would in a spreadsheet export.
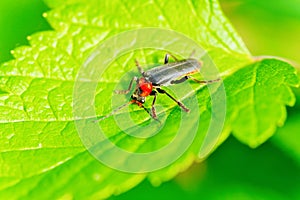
192	78
202	81
178	102
180	80
129	87
153	93
151	115
137	64
167	58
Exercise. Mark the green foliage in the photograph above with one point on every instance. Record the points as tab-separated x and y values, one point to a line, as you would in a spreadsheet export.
282	19
39	144
234	171
288	136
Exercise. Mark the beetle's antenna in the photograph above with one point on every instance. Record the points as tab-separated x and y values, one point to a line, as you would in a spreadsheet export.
113	112
192	53
137	64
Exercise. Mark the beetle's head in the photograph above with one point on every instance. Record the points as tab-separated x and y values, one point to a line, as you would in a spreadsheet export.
144	89
138	98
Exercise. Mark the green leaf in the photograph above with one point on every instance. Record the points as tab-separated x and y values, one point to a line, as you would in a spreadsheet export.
39	144
257	95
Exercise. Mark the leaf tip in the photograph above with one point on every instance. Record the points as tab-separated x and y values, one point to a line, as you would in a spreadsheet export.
155	181
45	15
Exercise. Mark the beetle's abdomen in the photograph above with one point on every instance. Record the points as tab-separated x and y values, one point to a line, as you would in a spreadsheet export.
163	75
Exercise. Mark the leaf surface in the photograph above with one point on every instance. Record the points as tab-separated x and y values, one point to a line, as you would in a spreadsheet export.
39	144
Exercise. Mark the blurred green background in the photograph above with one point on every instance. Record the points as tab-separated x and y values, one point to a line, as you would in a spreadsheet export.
233	171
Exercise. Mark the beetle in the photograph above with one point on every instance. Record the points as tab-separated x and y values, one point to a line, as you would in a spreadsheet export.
150	82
